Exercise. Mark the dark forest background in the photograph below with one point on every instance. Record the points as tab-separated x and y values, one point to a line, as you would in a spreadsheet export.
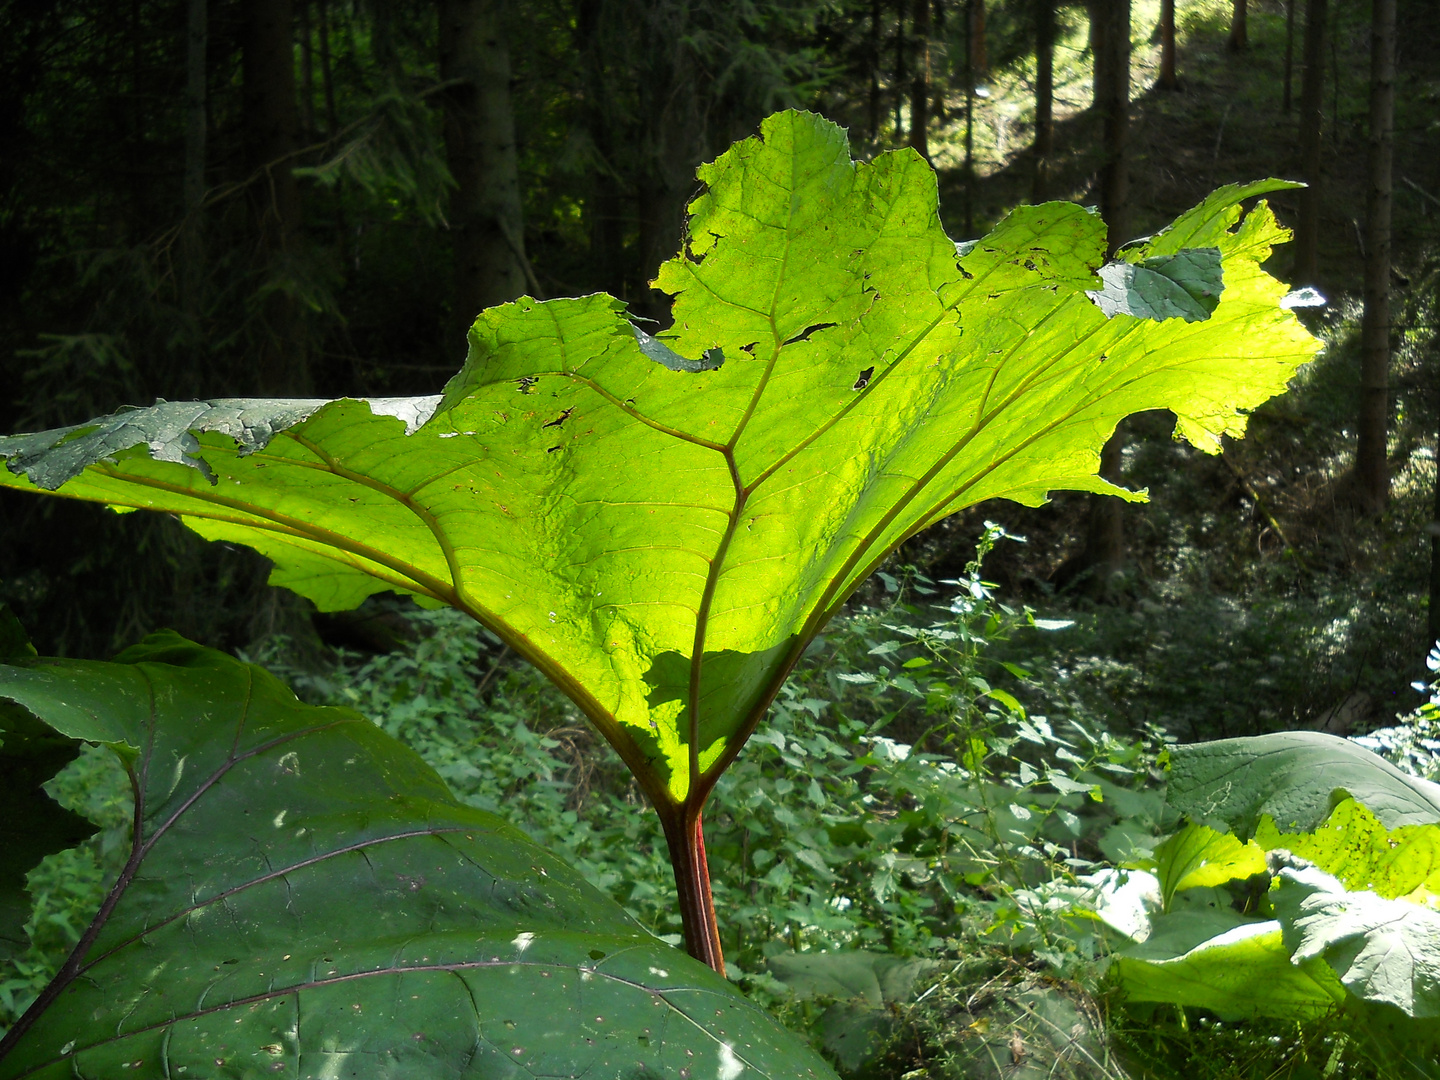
211	198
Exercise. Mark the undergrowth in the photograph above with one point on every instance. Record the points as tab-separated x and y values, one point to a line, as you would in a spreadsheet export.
903	860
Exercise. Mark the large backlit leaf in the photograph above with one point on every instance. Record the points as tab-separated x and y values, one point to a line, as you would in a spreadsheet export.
305	899
1199	857
1357	849
662	524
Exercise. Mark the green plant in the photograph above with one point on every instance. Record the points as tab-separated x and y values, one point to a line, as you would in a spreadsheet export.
663	525
1315	892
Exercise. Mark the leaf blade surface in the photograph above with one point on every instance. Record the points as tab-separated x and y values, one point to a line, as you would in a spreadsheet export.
305	898
663	536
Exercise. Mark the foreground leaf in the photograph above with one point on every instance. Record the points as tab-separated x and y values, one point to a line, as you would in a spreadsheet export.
1296	777
1236	967
1385	951
1198	856
304	898
661	525
1364	856
1184	286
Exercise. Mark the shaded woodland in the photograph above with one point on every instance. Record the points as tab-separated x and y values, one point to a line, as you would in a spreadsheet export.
315	198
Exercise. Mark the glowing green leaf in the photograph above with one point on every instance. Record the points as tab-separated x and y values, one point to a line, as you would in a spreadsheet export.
1198	856
662	524
1353	845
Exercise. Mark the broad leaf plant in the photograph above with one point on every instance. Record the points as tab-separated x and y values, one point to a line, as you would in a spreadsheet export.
661	524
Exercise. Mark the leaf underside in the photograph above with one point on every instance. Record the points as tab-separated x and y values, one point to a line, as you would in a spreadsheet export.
661	525
306	899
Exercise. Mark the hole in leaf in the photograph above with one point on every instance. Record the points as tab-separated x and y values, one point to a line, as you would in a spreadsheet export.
864	379
559	419
804	335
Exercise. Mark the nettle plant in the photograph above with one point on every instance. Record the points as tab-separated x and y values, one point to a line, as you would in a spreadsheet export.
660	524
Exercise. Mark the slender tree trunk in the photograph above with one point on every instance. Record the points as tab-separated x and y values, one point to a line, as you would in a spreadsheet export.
307	73
969	122
1168	79
979	58
1104	551
604	209
1312	106
485	221
939	65
900	43
192	251
876	48
920	85
1239	30
1434	529
270	121
1044	97
1371	465
1289	52
332	120
327	71
1111	36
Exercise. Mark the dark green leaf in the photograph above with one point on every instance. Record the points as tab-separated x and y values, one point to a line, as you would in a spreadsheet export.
305	898
1297	777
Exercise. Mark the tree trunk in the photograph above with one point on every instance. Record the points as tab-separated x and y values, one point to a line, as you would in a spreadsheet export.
1433	612
270	122
900	41
1289	52
485	221
1239	31
1371	464
1110	34
1168	78
1312	106
605	207
876	48
1044	97
979	58
327	71
920	85
969	122
1104	553
307	74
192	253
